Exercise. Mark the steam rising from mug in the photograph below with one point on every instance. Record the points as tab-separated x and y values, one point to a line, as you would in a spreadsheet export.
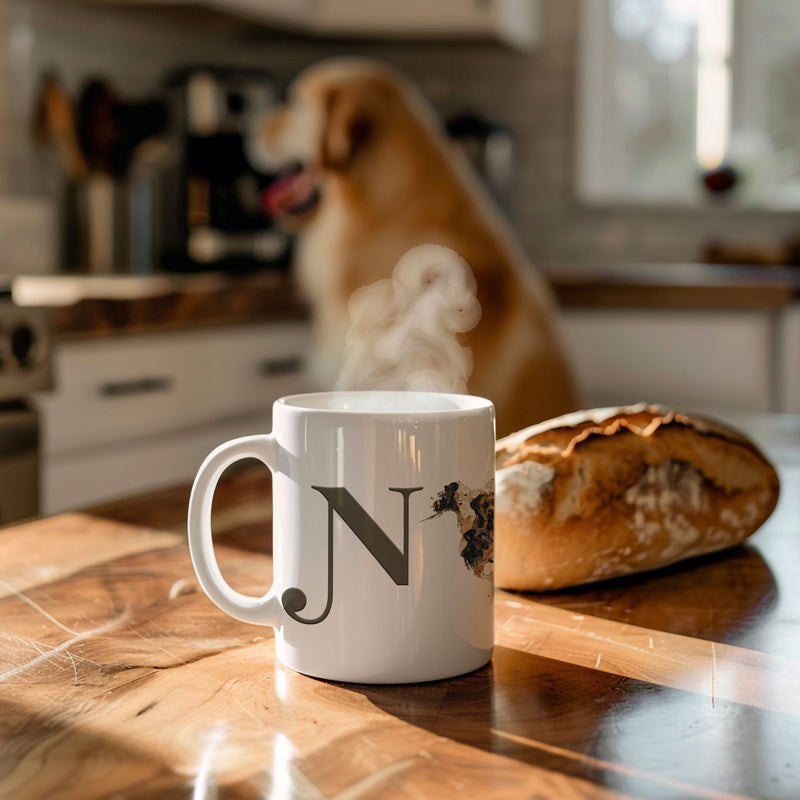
403	332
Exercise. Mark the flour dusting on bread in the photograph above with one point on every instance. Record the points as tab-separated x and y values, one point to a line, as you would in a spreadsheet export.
668	485
523	488
404	329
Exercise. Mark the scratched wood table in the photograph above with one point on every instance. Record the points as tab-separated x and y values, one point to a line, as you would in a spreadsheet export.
118	678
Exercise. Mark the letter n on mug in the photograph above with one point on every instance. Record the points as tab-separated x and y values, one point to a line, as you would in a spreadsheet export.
382	551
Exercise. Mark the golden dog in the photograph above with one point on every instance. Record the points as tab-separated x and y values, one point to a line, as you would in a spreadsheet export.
373	176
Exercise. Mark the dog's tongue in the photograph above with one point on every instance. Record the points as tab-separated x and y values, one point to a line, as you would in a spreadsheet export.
291	193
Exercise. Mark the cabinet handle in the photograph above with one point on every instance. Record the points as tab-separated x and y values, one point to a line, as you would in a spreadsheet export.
272	367
145	385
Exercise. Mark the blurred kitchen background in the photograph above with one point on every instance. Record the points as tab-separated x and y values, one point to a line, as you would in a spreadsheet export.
647	153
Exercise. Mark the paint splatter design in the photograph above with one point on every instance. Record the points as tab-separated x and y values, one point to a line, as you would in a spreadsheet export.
474	510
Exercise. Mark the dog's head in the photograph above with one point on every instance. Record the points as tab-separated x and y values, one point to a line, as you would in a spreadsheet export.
335	113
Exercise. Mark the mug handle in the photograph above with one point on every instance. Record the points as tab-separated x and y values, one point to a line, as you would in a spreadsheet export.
265	610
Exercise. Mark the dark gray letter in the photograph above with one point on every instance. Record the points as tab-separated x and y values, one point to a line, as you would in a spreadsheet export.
386	553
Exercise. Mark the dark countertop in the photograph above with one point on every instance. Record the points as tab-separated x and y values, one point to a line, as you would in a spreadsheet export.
86	306
648	285
82	307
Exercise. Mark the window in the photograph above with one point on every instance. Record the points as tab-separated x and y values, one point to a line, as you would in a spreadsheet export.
670	89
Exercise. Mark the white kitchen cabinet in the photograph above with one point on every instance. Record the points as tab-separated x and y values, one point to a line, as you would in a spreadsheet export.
688	359
512	22
85	477
789	360
133	413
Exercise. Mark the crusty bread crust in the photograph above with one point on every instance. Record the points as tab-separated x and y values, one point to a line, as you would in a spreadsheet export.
609	492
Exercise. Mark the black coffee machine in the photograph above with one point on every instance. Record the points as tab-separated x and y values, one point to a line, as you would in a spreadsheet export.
212	213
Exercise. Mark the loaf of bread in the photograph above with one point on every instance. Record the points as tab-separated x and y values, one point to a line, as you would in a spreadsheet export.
609	492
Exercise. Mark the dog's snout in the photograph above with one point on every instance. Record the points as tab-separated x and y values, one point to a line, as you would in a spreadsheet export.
264	141
270	125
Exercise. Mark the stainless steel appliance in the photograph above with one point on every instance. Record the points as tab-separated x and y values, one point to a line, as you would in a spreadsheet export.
25	367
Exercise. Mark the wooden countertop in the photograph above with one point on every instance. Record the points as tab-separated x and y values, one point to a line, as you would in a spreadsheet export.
119	678
683	286
88	307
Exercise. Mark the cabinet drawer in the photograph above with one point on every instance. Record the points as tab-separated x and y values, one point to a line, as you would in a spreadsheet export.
686	359
789	361
77	480
120	389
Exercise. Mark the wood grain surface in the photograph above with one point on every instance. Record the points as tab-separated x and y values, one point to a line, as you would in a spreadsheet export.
678	286
118	678
164	303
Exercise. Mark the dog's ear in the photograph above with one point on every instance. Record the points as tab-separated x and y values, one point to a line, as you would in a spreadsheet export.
348	127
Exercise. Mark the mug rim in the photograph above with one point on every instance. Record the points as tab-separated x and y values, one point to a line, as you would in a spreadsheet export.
314	402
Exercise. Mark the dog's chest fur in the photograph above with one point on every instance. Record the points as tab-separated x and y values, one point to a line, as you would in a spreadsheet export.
320	252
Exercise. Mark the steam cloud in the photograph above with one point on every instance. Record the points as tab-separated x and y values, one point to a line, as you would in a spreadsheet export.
403	333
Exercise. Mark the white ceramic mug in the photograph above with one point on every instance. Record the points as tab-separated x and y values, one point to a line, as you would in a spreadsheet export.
383	505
